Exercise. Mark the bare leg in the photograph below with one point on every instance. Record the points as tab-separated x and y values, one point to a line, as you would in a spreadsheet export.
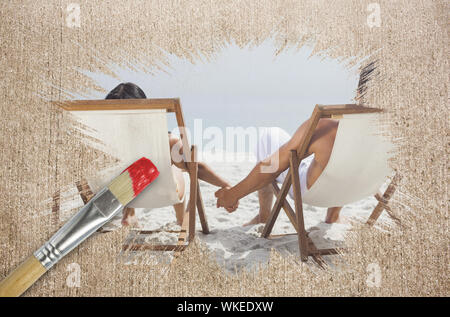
179	211
181	207
333	215
265	197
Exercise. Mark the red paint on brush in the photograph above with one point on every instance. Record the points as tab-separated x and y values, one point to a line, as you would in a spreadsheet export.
142	173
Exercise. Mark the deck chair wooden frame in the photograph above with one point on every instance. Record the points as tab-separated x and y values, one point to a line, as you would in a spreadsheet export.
306	246
172	105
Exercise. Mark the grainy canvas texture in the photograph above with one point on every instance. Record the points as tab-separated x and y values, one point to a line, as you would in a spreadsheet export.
41	151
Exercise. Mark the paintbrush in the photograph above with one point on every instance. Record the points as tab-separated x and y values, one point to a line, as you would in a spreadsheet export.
107	203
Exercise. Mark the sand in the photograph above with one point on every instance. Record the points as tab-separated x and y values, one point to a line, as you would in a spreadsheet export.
235	246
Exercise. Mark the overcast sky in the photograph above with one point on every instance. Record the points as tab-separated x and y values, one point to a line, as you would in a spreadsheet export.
246	86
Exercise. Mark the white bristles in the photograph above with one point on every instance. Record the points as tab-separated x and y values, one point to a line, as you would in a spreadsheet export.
122	188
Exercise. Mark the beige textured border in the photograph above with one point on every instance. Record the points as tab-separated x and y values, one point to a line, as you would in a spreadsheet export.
40	150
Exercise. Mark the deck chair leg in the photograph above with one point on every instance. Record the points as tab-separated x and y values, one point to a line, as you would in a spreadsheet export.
286	206
302	235
277	206
193	175
182	237
188	226
383	201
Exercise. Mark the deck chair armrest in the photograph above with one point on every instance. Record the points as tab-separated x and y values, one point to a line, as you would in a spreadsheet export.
168	104
338	110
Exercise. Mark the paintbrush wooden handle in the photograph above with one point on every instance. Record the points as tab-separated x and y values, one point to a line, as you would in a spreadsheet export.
19	280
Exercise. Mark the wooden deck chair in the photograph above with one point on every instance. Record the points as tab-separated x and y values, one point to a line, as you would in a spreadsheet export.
357	168
129	129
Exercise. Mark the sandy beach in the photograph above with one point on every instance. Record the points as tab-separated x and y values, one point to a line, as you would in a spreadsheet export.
236	246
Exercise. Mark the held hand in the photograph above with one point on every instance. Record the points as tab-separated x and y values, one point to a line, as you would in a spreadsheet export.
233	208
224	200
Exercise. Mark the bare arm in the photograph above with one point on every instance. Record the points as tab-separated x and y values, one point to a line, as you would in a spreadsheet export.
205	173
264	172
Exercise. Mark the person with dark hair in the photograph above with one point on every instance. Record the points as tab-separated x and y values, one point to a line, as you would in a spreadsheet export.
205	173
126	91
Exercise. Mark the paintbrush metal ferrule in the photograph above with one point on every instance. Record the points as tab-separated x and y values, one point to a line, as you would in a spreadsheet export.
97	212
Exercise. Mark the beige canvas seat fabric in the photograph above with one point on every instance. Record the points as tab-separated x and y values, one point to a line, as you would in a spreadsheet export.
129	135
358	165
